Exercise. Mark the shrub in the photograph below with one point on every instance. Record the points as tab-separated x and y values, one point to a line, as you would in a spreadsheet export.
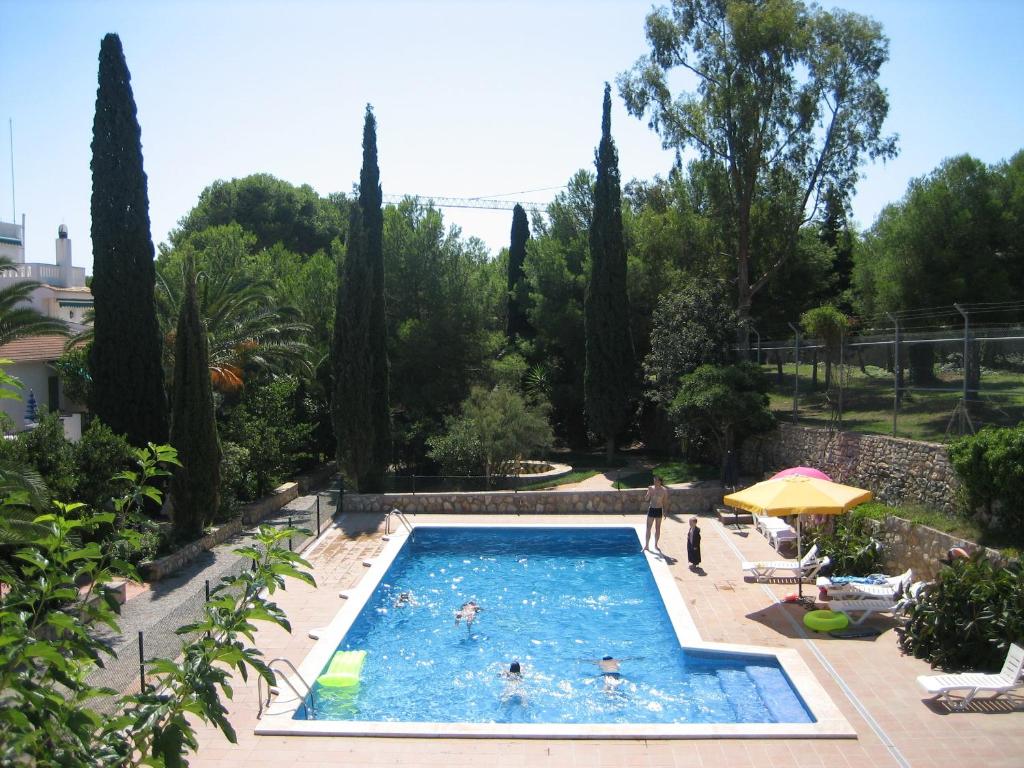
850	545
46	450
99	456
235	480
990	465
968	616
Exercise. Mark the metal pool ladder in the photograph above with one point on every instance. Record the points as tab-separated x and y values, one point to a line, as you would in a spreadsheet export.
309	695
395	512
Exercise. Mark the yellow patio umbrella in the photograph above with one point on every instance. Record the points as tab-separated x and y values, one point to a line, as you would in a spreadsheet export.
798	495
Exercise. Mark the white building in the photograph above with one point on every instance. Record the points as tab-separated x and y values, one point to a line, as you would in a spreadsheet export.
62	294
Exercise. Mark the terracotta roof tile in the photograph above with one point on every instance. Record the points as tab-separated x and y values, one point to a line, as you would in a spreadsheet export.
34	348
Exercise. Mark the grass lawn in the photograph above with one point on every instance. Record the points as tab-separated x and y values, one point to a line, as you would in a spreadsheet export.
670	472
868	401
576	476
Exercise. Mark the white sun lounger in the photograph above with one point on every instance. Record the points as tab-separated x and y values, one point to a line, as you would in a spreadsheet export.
971	683
865	607
775	529
892	589
807	567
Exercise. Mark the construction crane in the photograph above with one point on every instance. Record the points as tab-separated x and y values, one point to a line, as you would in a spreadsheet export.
469	202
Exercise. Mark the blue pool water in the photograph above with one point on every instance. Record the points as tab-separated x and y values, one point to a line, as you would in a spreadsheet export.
554	599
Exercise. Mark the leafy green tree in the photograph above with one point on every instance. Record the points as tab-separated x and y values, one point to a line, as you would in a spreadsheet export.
273	211
517	324
45	630
125	358
248	330
787	103
828	325
195	485
496	429
443	299
944	242
692	327
726	402
836	233
608	378
73	369
265	423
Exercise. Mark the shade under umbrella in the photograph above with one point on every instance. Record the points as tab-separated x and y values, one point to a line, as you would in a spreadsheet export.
798	495
803	472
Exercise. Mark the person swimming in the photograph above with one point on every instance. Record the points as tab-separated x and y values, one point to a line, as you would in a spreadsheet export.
514	692
469	612
404	599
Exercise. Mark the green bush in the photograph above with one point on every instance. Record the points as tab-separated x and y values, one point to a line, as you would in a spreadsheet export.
46	450
235	480
968	616
990	465
99	456
850	545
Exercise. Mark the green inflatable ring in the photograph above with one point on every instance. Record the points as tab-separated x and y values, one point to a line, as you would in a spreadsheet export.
826	621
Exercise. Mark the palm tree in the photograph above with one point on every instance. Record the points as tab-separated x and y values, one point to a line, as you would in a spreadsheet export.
18	319
246	330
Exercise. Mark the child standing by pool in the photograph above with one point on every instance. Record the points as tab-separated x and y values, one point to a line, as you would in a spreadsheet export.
693	545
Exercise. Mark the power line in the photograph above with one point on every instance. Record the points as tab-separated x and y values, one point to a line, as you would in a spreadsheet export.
469	202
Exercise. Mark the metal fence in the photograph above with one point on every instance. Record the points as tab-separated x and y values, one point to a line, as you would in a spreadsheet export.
908	380
148	626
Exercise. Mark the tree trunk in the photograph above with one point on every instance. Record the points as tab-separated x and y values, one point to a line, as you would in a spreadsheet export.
828	373
778	368
922	363
814	370
609	450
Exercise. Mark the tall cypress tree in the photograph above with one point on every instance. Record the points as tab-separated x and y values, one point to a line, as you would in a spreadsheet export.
351	409
127	376
517	325
608	378
361	407
195	486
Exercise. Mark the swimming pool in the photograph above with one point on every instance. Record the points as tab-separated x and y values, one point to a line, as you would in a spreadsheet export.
555	599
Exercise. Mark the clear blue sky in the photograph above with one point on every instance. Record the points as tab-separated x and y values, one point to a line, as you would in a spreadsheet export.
472	98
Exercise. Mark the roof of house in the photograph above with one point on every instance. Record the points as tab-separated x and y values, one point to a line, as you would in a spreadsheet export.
33	348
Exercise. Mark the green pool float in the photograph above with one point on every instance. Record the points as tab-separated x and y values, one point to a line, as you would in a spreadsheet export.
826	621
343	671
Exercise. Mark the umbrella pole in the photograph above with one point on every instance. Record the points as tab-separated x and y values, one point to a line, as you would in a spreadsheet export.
799	557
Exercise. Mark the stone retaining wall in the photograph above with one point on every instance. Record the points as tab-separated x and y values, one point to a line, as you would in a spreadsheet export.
165	566
692	499
908	545
899	471
253	513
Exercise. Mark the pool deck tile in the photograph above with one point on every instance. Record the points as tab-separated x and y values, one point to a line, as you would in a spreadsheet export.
724	607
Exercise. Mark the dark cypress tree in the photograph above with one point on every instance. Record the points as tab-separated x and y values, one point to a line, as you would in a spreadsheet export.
195	486
351	408
608	378
361	407
127	377
517	326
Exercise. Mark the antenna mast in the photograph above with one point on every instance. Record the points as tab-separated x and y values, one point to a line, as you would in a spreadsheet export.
14	209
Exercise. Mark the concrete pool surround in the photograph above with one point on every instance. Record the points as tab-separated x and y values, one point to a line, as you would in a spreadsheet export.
278	719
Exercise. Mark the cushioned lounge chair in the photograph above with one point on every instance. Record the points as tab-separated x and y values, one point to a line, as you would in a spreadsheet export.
970	684
775	529
851	590
807	567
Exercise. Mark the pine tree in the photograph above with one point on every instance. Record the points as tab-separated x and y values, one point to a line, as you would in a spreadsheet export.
127	378
517	326
608	378
195	485
361	408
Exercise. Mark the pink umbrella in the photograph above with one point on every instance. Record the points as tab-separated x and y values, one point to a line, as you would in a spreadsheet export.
803	472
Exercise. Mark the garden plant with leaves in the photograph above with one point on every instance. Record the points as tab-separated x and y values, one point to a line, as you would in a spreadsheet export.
46	705
968	616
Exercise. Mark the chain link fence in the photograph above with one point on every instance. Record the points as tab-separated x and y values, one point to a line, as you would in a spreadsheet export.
149	622
905	380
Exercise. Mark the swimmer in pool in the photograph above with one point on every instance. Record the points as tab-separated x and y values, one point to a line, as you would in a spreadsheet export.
468	611
611	671
514	693
404	599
